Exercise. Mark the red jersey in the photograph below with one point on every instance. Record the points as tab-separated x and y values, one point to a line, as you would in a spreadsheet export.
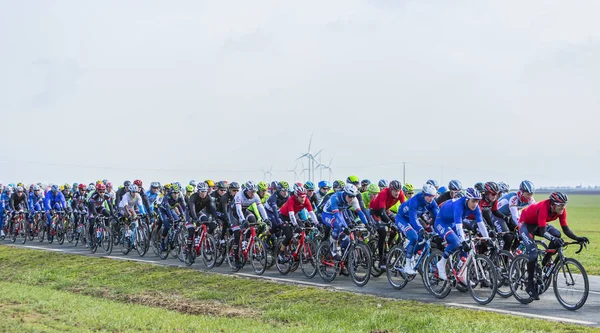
384	200
539	213
292	205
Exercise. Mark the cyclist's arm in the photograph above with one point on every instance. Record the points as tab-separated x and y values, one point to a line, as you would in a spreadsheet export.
480	224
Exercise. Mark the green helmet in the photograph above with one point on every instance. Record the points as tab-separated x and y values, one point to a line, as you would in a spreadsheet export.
283	186
373	188
352	180
408	188
189	188
338	184
262	186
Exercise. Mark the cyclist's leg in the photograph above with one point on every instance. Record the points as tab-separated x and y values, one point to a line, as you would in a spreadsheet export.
527	232
551	230
235	227
501	226
287	232
410	233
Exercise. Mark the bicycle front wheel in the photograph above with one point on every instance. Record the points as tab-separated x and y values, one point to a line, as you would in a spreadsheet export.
518	279
209	251
359	264
258	255
437	287
308	260
481	279
395	268
502	263
571	284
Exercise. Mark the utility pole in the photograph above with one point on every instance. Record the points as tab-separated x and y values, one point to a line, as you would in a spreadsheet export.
403	172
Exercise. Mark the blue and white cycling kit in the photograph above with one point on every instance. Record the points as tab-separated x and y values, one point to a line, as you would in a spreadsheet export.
407	219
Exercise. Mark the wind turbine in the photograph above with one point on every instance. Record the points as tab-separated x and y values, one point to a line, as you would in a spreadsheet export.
327	167
268	172
311	159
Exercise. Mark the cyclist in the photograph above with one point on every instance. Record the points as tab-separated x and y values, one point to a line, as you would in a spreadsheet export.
379	210
111	192
333	216
189	190
382	184
131	202
36	204
449	223
263	192
454	186
224	199
504	188
433	183
407	220
97	203
370	194
4	203
19	201
479	186
54	200
295	203
152	195
79	203
511	204
240	215
67	193
324	187
337	186
364	184
409	190
146	203
171	209
122	191
211	186
276	200
199	203
534	221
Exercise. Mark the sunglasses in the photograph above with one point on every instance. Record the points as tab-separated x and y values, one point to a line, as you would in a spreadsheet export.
222	190
562	205
310	190
235	190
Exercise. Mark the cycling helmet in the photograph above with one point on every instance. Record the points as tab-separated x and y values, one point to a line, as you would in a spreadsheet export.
54	188
154	185
82	186
433	182
373	189
67	186
102	187
221	184
9	189
558	198
19	188
36	188
365	182
234	185
455	185
20	184
309	186
262	186
105	181
126	183
352	180
491	187
203	187
382	183
479	187
91	187
407	188
503	187
350	190
175	188
527	187
193	183
108	184
12	185
442	189
61	187
283	186
250	186
459	194
189	188
299	190
395	185
324	183
429	189
210	183
132	188
138	182
338	185
472	193
74	185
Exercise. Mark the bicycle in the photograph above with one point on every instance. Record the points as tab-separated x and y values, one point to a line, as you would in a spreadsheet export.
18	228
170	240
502	260
566	269
393	237
102	236
204	245
249	246
476	274
396	260
300	252
80	233
355	258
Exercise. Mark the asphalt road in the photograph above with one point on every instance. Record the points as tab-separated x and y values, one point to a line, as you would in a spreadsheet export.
546	308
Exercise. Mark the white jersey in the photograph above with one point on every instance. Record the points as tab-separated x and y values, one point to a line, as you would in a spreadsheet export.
242	202
131	201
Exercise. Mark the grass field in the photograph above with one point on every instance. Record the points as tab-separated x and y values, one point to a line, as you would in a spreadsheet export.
583	215
54	292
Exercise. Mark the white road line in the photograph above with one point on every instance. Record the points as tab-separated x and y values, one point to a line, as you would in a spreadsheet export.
523	314
42	248
321	285
132	259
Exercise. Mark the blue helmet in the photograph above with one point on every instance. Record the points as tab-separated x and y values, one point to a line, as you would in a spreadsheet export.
309	185
433	182
324	183
54	188
382	183
455	185
527	187
441	189
472	193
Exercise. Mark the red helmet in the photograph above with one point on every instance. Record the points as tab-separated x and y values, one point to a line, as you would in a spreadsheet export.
109	184
138	182
100	187
82	186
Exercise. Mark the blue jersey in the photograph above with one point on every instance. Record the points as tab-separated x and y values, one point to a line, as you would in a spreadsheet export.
4	201
53	200
36	202
416	206
454	212
512	200
337	202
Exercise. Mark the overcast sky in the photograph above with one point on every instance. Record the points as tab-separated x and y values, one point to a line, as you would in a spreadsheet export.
174	90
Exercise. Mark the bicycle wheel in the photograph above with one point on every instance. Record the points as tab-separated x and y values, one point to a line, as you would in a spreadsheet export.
435	286
231	256
94	241
60	233
14	231
571	284
41	227
189	254
126	240
502	263
481	279
326	266
164	253
23	233
375	270
395	268
258	256
141	242
221	251
208	248
106	241
359	264
456	259
307	259
179	244
283	267
518	279
70	232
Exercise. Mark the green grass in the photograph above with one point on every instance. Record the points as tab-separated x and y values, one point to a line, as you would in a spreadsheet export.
46	291
583	215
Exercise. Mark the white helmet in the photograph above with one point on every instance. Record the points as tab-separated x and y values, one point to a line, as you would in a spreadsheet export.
350	190
429	189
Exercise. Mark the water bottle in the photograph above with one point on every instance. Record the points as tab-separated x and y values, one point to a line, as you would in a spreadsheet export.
128	233
462	262
196	241
520	249
98	233
244	244
417	255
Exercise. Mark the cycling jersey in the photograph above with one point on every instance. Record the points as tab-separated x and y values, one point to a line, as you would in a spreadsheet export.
443	197
453	213
242	202
54	200
36	202
292	207
96	202
134	201
413	208
196	204
337	202
541	213
384	200
511	203
79	202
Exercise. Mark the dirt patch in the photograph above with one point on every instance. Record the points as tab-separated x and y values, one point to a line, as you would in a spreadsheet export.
170	301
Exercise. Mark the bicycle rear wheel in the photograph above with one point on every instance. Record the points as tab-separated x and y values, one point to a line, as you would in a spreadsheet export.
23	232
375	270
41	227
502	263
141	241
437	287
208	248
571	284
326	266
518	279
60	233
258	255
106	241
359	264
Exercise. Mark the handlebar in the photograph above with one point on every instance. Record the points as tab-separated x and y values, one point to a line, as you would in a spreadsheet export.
581	246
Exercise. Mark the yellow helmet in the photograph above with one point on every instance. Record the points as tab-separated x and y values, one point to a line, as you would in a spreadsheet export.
210	183
61	188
